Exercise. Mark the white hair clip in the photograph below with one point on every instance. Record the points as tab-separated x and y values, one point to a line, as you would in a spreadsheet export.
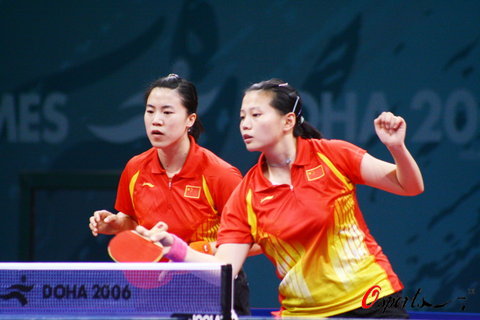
295	105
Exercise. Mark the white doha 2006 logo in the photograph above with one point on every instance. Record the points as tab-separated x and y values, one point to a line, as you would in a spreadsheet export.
453	116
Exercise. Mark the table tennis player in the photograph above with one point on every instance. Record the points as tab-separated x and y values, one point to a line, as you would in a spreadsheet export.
176	181
299	204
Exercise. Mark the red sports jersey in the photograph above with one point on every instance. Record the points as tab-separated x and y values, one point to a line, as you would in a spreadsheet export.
313	230
190	203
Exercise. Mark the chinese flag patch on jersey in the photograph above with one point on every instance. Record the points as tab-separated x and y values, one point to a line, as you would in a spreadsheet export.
315	173
192	192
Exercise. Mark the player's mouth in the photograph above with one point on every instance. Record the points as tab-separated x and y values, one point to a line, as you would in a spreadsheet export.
156	133
247	138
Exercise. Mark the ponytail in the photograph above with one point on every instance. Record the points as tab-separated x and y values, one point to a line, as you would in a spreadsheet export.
306	130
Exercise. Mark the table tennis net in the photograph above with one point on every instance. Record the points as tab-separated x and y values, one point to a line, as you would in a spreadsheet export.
159	289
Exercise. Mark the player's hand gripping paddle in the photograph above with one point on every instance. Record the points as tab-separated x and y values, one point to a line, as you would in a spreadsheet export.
129	246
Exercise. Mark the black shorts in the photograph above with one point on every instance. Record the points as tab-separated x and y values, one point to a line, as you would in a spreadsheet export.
383	308
241	300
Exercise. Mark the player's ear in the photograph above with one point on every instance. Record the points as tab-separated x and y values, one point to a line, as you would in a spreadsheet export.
289	121
191	118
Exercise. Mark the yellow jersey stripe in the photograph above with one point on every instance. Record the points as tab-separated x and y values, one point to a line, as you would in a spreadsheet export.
252	218
208	230
131	186
208	195
347	239
337	173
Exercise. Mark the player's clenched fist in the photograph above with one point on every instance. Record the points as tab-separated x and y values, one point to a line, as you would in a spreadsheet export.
390	129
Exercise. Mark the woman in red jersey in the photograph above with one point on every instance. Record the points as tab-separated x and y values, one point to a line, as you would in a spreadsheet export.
299	204
176	181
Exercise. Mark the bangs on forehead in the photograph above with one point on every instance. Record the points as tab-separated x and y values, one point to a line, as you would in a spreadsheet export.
165	93
261	94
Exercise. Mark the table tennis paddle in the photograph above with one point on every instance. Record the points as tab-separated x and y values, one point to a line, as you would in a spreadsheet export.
130	246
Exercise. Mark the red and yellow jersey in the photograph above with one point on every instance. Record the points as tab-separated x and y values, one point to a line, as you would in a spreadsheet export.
312	230
190	203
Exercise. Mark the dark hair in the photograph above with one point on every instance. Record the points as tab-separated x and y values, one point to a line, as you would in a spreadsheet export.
286	99
188	94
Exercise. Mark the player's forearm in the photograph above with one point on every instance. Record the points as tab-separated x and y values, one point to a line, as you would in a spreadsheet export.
407	171
234	254
195	256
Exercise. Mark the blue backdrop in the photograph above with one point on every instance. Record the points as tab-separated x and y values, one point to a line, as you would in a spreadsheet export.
72	75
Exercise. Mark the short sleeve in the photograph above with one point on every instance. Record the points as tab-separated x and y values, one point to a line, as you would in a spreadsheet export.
234	227
224	183
123	202
346	156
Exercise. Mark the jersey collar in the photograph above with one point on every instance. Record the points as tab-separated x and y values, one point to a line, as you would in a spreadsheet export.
303	157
